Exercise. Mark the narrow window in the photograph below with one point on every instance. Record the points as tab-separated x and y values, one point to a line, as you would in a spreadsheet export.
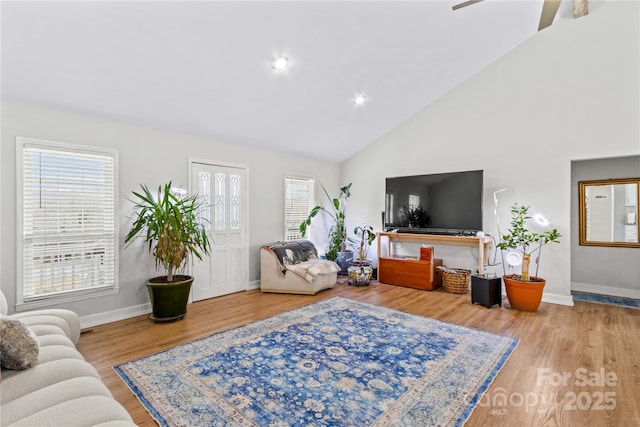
67	220
298	201
389	206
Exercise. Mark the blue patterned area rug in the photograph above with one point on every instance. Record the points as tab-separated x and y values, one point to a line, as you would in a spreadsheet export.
606	299
337	362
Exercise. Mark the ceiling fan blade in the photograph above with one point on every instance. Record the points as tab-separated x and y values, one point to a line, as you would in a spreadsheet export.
549	10
465	4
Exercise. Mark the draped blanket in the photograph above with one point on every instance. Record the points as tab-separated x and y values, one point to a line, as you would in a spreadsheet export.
310	269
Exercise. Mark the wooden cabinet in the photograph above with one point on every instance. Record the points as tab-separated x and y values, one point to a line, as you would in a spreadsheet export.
421	274
410	272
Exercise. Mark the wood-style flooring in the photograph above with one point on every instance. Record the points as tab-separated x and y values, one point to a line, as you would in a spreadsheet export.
573	366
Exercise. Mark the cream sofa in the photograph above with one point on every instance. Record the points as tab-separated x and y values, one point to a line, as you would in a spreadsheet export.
62	389
294	268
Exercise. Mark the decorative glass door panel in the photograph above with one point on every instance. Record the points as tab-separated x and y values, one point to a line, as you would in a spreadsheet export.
226	271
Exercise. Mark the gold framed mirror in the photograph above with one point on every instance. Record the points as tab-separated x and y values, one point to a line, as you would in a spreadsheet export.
609	212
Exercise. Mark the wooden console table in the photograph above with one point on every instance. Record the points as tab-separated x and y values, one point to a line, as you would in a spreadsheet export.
482	243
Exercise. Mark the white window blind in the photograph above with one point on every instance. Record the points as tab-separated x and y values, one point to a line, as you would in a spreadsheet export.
299	200
68	219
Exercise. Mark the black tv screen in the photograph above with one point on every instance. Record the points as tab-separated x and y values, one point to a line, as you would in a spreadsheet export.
448	203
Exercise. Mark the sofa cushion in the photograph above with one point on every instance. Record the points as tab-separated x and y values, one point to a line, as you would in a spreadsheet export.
44	375
66	320
50	353
39	320
82	411
19	347
43	330
46	340
47	355
51	395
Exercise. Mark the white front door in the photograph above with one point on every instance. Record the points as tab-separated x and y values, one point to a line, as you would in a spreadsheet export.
224	190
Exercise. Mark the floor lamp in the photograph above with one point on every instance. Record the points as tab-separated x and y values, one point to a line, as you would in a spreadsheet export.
495	214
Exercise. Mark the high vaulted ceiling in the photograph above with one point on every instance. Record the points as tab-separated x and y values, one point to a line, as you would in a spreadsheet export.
204	67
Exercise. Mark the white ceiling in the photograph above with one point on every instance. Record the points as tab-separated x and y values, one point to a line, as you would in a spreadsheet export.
203	68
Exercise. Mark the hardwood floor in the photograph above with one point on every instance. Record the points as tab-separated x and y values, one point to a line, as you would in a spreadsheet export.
553	378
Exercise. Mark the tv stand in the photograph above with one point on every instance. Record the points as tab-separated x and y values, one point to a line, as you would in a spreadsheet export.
482	243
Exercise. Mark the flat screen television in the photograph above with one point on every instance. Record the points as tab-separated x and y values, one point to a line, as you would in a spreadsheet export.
442	203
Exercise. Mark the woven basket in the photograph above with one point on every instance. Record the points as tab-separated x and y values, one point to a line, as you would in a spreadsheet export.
458	282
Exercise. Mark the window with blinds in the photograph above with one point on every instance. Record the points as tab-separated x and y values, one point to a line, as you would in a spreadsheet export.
299	199
67	218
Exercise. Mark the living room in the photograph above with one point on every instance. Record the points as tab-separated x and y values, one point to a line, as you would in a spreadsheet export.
568	94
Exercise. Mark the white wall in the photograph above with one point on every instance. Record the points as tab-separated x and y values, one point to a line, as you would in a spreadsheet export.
151	157
570	92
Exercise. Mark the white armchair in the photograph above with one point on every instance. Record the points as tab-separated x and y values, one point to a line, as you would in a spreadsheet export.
293	267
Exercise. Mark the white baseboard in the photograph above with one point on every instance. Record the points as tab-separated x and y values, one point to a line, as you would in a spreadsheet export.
605	290
125	313
557	299
136	310
114	315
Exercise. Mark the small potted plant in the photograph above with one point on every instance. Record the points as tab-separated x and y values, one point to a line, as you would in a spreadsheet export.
523	290
337	233
360	271
168	223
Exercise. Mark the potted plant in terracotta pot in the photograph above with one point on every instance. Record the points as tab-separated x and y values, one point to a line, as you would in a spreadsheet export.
523	290
168	223
360	271
337	232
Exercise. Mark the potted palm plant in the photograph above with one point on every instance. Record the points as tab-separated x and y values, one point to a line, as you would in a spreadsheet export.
360	271
169	224
523	290
337	232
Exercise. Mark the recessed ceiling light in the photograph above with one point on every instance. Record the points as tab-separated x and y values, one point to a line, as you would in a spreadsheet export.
359	100
280	63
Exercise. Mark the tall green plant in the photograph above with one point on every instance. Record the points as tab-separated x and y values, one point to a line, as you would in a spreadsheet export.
337	232
169	224
520	238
